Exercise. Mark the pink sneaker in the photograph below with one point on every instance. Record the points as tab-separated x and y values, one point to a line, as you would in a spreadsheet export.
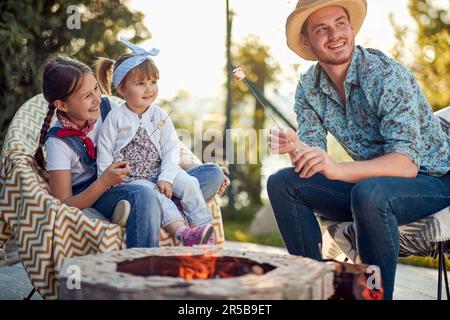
197	235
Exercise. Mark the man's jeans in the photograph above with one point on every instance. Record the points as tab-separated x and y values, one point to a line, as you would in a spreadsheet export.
144	222
376	205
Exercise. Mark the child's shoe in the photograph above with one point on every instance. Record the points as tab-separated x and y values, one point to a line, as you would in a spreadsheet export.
197	235
212	240
121	213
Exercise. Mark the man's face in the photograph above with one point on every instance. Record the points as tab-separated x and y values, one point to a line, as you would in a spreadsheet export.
330	36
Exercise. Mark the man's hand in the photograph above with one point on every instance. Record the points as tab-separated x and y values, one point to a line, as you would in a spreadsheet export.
282	140
165	187
312	160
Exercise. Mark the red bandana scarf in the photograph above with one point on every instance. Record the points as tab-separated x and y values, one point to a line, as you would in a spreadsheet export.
71	129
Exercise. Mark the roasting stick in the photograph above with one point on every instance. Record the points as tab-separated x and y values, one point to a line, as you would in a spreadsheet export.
239	74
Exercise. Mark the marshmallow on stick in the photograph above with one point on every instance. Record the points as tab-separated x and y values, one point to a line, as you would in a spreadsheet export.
162	123
240	75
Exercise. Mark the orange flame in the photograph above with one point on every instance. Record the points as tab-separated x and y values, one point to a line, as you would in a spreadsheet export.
190	267
197	267
209	267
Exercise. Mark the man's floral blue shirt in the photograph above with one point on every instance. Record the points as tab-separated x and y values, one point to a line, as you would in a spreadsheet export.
385	111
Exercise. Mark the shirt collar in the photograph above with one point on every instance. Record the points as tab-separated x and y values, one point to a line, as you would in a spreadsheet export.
324	81
352	72
145	114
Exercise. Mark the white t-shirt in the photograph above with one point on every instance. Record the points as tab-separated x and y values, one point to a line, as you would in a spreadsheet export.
62	157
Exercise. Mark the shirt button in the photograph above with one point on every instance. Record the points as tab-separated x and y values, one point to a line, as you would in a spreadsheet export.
358	144
350	123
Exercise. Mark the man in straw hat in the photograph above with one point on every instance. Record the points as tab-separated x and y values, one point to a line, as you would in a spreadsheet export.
376	110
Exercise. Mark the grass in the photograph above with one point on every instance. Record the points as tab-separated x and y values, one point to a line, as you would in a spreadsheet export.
238	229
425	262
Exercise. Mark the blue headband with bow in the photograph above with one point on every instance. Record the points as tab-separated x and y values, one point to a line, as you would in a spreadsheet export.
139	56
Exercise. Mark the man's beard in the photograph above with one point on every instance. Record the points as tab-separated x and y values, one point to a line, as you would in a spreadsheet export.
327	59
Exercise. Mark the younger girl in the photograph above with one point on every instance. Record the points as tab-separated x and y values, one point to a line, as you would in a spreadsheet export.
143	135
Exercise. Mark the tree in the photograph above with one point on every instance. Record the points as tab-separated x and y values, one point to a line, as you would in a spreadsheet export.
431	63
254	58
31	31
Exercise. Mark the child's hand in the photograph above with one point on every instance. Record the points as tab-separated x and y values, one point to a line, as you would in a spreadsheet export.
226	181
165	187
115	173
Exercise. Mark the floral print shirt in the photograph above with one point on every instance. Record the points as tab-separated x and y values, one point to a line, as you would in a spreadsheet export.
142	156
385	111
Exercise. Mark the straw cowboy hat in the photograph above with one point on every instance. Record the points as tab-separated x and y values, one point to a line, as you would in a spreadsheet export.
356	9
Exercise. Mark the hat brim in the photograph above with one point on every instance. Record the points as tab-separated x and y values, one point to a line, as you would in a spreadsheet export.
357	10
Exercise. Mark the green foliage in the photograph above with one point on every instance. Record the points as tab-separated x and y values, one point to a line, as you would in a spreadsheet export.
426	262
32	31
254	58
237	229
431	64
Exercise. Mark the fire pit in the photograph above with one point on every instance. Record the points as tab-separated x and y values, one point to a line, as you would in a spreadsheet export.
195	273
193	267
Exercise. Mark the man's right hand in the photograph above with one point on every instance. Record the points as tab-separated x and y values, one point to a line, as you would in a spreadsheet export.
115	173
282	140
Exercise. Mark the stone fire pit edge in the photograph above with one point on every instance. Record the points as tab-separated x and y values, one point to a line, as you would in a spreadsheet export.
293	278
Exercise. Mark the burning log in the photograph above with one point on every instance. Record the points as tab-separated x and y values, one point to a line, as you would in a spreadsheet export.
356	282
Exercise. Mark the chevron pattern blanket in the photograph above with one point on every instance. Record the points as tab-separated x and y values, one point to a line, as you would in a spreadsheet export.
47	231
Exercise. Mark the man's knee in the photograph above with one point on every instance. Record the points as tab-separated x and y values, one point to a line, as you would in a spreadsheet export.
278	182
368	196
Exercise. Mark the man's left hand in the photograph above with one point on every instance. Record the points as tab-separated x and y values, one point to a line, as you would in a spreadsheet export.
312	160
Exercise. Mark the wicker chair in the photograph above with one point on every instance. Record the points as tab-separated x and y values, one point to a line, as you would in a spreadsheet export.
47	231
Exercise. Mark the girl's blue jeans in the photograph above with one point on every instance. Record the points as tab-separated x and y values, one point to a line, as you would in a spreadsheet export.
144	222
376	205
185	191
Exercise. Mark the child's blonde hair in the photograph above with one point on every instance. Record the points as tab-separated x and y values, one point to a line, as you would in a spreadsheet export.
105	68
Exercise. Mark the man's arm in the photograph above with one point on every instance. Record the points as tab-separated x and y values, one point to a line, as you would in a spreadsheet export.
389	165
312	160
400	127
